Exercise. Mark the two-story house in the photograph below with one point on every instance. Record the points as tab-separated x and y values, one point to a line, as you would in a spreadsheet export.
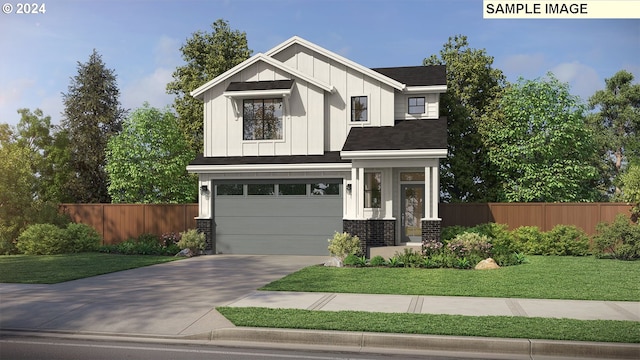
300	142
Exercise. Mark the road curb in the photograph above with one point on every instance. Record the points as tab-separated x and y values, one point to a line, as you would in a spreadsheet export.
525	348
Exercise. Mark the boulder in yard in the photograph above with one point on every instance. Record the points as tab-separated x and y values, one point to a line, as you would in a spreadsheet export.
487	264
185	253
333	262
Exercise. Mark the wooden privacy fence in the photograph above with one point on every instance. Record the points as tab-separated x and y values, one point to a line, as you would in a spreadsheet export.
543	215
119	222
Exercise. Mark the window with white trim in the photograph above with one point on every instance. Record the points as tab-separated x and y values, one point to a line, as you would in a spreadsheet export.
416	105
372	190
359	108
262	119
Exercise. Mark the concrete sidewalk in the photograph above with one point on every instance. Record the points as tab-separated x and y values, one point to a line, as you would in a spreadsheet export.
453	305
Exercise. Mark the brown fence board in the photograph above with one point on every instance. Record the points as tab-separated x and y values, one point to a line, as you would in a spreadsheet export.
119	222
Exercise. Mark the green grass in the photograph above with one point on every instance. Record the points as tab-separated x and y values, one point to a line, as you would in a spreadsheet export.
52	269
543	277
489	326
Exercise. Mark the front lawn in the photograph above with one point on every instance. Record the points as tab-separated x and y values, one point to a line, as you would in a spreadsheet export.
543	277
454	325
51	269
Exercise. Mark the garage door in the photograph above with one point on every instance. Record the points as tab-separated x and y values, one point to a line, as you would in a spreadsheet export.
279	217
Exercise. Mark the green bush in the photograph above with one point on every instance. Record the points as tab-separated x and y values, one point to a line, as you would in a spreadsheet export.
343	245
81	238
529	239
354	260
192	240
619	240
377	261
42	239
567	240
145	244
451	232
409	258
7	242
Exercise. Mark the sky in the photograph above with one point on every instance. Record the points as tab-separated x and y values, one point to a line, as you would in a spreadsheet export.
140	40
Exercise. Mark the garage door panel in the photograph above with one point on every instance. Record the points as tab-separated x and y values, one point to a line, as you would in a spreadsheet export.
268	225
272	245
278	206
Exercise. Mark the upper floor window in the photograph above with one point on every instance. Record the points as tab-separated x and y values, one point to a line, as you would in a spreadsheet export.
262	119
359	108
416	105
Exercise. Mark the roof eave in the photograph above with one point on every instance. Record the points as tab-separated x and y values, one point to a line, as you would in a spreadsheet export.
394	154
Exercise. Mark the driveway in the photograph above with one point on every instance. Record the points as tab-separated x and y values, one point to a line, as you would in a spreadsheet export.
176	298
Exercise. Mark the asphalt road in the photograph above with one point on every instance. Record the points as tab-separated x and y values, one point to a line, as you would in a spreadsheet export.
27	348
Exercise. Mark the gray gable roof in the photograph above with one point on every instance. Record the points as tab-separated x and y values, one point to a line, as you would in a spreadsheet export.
260	85
416	75
328	157
405	135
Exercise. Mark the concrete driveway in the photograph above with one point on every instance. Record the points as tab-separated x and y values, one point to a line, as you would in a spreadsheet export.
176	298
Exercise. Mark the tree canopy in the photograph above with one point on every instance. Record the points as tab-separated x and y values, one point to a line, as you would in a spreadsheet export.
616	123
207	55
92	114
146	162
540	144
473	86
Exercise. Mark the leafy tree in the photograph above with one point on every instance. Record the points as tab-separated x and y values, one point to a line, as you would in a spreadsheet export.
540	144
92	115
48	155
147	162
207	55
473	86
617	126
631	189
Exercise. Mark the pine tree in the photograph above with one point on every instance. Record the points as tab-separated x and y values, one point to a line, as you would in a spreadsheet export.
91	116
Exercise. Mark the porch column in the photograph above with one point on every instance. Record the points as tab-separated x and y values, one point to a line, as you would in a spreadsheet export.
431	223
435	191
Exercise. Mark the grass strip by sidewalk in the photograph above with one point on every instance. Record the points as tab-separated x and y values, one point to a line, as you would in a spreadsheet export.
52	269
451	325
543	277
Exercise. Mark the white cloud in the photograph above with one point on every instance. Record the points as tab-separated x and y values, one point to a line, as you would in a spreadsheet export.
150	88
13	97
167	52
523	65
583	79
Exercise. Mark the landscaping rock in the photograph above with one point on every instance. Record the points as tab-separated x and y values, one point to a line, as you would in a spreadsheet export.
487	264
185	253
333	262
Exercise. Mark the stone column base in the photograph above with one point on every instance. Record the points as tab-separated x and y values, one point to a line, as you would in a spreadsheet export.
372	233
431	231
208	227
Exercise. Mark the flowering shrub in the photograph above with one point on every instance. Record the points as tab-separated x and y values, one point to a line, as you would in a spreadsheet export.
471	246
170	238
193	240
343	245
431	247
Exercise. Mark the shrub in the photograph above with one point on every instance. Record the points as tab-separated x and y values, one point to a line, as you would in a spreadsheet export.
567	240
170	238
42	239
528	239
451	232
192	240
409	258
7	242
81	238
145	244
354	260
377	261
343	245
470	246
430	247
620	239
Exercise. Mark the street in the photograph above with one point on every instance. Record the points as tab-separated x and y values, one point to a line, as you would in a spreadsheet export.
32	348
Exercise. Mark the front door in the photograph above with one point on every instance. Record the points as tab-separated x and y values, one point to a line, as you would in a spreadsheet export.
412	212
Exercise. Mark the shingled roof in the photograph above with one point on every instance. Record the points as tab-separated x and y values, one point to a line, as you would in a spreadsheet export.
416	75
405	135
327	157
260	85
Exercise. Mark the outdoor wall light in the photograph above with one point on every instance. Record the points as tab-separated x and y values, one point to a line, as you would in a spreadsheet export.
204	189
349	188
